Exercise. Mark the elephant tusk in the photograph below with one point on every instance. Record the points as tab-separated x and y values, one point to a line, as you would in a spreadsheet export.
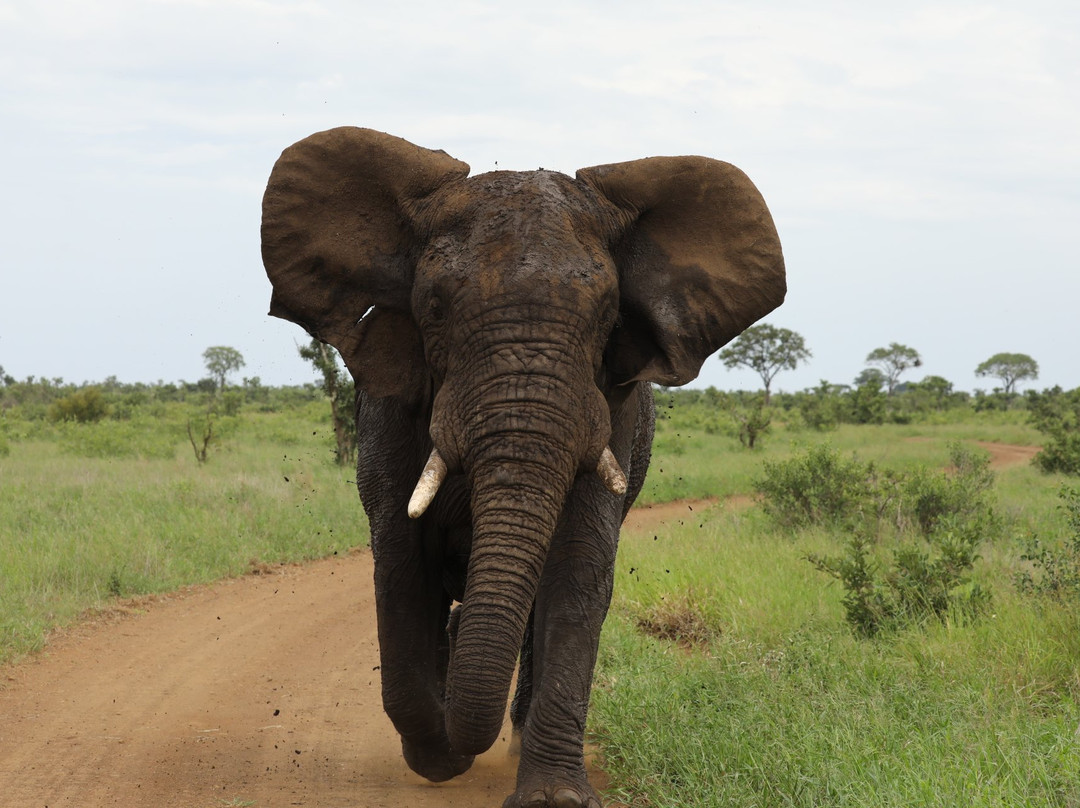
612	476
428	485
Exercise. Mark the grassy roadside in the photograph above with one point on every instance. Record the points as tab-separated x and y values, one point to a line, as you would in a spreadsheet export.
728	675
76	530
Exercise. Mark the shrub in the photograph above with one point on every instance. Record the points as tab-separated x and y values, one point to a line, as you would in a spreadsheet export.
1058	565
869	403
922	583
1056	414
822	409
929	574
864	605
1061	453
964	493
84	406
133	438
752	423
816	486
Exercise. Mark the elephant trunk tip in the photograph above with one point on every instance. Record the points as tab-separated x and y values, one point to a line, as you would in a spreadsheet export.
476	734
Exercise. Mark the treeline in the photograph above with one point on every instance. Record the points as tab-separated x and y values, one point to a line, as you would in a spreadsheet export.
822	407
829	405
1054	412
57	400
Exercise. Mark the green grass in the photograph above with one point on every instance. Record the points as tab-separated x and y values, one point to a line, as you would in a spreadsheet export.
821	720
728	675
690	462
77	530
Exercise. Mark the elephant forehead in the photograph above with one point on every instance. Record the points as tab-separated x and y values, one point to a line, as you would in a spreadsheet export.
525	204
539	226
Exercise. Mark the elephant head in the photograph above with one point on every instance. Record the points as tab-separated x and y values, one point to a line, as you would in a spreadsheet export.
511	310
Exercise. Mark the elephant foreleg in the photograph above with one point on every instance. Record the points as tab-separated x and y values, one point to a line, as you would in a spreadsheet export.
413	612
410	597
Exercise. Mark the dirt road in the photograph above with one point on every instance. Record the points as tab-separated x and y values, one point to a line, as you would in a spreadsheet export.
262	690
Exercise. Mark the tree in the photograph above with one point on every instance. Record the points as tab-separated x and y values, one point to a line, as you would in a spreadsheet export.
870	376
868	403
220	361
1010	368
1056	414
893	361
766	350
341	396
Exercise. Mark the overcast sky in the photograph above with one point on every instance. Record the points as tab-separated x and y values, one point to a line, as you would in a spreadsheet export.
921	159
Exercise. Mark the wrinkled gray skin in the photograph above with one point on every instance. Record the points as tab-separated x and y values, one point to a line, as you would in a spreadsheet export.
512	321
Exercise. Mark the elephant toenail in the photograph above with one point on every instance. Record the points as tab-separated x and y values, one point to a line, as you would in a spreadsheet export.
567	798
538	799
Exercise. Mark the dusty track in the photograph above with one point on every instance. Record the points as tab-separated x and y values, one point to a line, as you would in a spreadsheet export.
261	690
1003	455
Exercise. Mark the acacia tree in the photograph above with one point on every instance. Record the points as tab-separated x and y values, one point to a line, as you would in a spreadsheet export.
893	361
1010	368
220	361
766	350
341	396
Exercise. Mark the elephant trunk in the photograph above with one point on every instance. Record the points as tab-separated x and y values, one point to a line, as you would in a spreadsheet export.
520	475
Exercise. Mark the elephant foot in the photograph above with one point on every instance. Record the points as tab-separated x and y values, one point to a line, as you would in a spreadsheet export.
568	795
437	762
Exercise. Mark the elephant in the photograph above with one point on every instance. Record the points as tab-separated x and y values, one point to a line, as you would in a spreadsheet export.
504	331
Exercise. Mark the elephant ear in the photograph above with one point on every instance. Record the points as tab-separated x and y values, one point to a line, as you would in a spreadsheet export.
338	246
698	263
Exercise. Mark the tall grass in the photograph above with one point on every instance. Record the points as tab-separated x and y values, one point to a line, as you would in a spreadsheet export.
782	705
76	530
728	675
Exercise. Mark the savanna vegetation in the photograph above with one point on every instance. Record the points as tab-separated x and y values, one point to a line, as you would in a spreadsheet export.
859	610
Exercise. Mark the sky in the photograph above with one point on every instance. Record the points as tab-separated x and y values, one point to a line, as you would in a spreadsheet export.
921	160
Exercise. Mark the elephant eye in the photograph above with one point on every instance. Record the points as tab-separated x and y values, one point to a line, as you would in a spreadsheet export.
436	311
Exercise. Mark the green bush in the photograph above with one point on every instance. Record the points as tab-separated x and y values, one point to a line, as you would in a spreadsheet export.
820	487
1056	414
822	409
816	486
1061	454
1058	564
84	406
932	580
964	493
929	575
133	438
869	403
752	422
